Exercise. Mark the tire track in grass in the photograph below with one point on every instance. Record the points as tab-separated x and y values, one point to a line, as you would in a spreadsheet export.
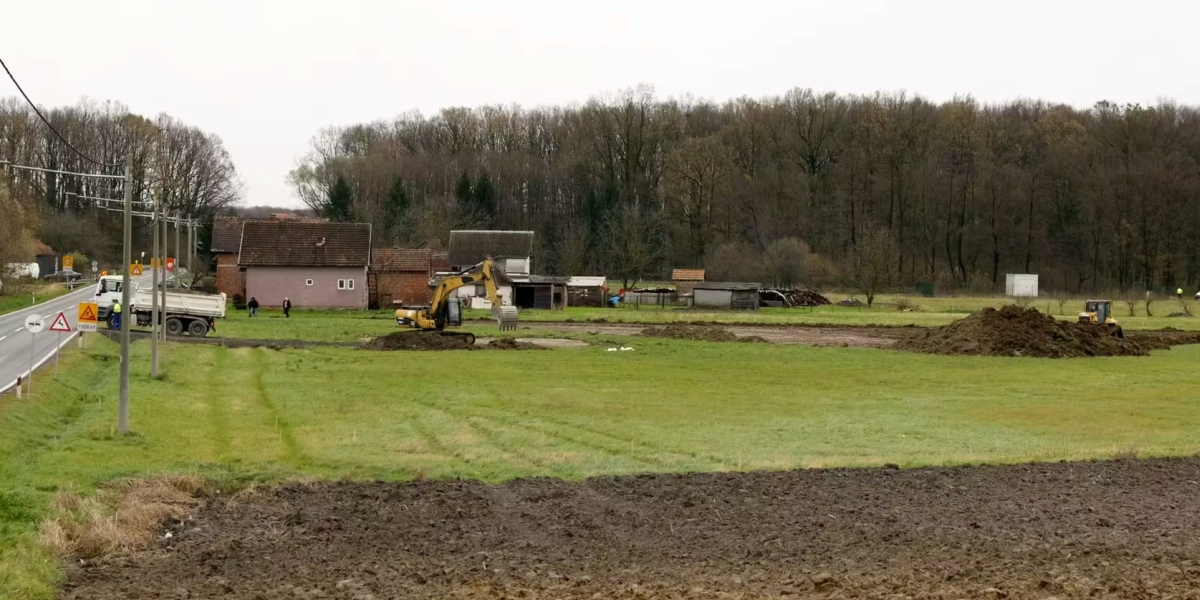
432	441
514	420
291	450
489	434
715	460
218	409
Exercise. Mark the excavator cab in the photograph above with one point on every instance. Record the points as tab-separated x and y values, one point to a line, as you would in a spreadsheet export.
1100	312
454	312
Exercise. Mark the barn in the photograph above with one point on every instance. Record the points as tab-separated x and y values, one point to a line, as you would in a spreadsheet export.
712	294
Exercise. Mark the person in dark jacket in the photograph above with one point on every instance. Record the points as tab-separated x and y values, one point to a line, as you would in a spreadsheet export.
287	308
253	306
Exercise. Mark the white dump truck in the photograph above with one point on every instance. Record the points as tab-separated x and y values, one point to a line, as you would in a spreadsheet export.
185	312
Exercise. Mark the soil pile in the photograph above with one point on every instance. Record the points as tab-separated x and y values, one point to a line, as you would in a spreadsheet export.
699	333
1120	529
1016	331
851	302
510	344
417	340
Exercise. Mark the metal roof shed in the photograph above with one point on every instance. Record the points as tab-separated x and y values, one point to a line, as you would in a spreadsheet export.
733	295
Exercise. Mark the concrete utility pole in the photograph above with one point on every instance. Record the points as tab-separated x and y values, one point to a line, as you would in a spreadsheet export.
162	264
178	263
154	301
123	402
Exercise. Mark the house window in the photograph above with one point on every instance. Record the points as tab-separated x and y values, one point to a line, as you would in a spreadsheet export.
345	284
349	284
480	290
308	282
341	284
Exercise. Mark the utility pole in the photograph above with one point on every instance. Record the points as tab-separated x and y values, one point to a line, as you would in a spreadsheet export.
178	263
154	300
162	264
123	402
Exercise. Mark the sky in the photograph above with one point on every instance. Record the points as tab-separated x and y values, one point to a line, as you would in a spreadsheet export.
267	75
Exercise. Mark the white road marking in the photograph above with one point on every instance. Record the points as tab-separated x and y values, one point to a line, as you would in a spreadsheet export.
3	337
18	330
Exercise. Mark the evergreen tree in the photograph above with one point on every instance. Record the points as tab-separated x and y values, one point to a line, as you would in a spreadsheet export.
484	194
396	210
462	191
341	201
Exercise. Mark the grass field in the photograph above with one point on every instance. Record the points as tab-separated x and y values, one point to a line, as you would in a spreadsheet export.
39	292
242	415
350	326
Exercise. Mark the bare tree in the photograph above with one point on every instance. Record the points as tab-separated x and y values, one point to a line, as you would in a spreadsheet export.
873	258
631	235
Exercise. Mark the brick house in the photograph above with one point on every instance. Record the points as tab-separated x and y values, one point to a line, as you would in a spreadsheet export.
226	241
400	277
315	264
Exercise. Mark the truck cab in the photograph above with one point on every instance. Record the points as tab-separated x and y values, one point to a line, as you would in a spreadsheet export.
108	290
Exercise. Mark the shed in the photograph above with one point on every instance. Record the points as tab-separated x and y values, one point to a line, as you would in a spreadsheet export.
314	264
512	250
539	291
739	296
587	291
1021	285
400	277
685	280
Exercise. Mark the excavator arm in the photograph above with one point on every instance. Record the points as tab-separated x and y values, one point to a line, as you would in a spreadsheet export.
443	310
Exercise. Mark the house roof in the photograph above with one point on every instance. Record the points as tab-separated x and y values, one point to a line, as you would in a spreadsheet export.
727	285
439	261
587	281
468	247
41	249
226	235
401	259
687	275
305	244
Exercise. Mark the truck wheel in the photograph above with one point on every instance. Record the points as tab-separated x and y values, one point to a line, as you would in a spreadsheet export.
198	329
174	326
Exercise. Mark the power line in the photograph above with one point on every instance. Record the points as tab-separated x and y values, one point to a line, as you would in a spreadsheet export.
47	122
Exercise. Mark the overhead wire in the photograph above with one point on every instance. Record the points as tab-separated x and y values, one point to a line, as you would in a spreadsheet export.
47	121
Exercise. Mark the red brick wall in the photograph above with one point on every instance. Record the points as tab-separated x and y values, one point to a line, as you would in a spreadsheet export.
230	281
408	287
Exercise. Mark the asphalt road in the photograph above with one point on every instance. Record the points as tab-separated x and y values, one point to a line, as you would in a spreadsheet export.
17	344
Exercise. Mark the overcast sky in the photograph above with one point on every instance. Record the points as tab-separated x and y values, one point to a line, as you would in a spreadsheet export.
266	75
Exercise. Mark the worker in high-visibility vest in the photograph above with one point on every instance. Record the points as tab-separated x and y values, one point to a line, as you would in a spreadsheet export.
114	322
1179	293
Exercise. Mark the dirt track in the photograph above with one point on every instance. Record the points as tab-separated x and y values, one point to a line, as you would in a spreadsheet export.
862	337
1124	529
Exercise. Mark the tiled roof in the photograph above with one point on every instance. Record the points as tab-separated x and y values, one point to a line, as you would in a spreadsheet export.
305	244
468	247
227	234
687	275
401	259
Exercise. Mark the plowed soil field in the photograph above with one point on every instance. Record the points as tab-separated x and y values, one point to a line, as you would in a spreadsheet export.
1122	529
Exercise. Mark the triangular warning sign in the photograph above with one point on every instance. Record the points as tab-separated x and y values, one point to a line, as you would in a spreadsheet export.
60	323
135	269
87	312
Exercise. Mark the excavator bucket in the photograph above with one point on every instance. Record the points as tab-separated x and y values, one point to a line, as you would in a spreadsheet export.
506	316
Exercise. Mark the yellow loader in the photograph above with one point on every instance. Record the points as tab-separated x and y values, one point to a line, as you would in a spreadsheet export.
1101	311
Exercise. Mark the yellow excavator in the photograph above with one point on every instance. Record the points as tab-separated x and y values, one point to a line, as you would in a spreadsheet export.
445	311
1099	312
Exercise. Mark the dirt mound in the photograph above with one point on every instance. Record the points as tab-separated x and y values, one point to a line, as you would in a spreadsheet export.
417	340
851	302
1179	315
699	333
1016	331
510	344
1119	529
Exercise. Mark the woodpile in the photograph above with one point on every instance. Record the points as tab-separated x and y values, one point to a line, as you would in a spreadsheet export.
790	297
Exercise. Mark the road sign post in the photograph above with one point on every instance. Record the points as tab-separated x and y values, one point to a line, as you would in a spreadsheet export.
34	324
59	326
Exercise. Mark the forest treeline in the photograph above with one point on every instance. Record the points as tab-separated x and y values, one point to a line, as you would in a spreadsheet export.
959	192
185	168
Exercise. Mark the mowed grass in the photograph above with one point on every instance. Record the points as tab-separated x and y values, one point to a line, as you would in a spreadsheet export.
22	297
243	415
